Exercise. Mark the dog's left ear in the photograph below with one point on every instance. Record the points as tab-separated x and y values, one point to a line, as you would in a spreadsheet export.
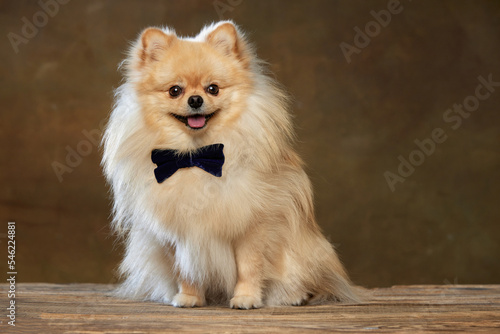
226	38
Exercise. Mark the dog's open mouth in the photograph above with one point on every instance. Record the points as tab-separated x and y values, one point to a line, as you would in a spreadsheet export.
195	122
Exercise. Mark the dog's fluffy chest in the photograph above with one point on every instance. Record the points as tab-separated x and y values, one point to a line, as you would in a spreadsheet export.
193	200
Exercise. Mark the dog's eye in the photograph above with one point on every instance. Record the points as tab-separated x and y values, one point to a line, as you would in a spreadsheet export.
175	91
213	89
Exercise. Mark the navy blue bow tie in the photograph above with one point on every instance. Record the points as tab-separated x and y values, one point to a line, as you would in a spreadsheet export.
209	158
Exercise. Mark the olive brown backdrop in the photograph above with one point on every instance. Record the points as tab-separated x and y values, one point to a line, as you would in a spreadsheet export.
370	80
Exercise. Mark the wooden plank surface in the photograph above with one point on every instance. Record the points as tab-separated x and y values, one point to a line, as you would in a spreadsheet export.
92	308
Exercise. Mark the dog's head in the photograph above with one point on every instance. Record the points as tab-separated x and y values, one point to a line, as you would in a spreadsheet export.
189	87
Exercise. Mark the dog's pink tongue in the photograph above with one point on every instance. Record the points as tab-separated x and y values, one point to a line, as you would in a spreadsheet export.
196	122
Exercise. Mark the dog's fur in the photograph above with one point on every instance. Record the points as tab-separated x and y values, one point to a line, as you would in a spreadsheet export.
249	237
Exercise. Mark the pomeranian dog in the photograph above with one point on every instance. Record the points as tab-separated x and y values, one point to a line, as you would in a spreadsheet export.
210	197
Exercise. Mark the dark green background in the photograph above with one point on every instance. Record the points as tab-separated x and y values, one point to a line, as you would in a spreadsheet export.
353	121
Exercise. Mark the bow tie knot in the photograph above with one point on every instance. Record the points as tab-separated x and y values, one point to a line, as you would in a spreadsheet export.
209	158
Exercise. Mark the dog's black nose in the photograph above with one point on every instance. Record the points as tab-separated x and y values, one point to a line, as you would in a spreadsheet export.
195	101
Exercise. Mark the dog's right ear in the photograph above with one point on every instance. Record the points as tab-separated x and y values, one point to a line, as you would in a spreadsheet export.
154	42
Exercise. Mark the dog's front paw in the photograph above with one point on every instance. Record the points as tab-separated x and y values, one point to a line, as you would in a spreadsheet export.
245	302
183	300
299	299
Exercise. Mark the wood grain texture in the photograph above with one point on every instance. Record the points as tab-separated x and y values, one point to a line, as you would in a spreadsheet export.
92	308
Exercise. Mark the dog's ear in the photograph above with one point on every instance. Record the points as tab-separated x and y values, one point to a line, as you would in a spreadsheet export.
154	42
226	38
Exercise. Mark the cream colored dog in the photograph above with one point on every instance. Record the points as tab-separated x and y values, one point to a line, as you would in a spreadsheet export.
238	228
